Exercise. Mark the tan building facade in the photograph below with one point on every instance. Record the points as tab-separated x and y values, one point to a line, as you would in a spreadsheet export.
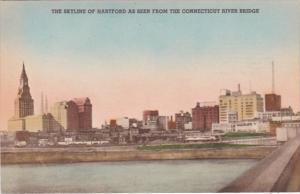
65	114
74	114
24	105
247	106
16	124
43	122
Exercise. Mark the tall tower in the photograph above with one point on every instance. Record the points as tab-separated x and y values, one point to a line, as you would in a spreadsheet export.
273	79
272	100
23	102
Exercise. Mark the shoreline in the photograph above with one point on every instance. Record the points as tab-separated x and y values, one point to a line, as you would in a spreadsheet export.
90	155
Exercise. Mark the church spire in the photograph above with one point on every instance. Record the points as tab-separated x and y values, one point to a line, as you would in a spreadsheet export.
24	102
23	78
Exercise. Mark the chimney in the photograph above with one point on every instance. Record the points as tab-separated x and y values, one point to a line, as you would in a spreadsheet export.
42	103
46	105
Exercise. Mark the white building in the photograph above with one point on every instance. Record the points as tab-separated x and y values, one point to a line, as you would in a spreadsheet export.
286	118
252	126
223	127
188	126
277	116
255	126
123	122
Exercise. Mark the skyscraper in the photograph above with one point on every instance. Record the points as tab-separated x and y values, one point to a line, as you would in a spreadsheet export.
272	100
24	102
247	106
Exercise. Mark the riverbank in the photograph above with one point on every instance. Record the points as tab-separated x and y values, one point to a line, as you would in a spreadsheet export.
64	155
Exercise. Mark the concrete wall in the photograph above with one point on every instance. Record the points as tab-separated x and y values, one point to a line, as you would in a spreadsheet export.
89	156
272	174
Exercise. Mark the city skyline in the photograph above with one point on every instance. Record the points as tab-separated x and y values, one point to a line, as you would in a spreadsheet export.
154	63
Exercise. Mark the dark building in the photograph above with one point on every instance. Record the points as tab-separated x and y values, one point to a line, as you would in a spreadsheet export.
150	115
286	111
171	123
272	102
150	119
204	116
85	112
182	118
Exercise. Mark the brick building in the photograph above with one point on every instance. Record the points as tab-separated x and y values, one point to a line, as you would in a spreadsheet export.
204	116
84	112
272	102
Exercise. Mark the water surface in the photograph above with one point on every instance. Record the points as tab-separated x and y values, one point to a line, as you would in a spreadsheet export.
134	176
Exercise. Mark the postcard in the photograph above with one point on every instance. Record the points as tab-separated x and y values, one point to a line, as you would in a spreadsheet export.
150	96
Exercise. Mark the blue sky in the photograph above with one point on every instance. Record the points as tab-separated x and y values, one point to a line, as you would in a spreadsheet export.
103	54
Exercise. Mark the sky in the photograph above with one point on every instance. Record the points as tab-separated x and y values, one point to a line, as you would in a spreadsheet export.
126	63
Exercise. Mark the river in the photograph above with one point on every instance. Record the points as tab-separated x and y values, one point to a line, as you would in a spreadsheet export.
133	176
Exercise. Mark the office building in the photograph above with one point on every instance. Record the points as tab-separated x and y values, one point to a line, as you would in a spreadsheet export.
150	119
182	118
204	116
272	102
247	106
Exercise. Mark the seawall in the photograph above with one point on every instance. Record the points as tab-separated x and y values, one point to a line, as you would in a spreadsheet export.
65	156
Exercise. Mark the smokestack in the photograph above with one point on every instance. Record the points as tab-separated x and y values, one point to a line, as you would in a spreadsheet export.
273	79
42	103
46	105
239	87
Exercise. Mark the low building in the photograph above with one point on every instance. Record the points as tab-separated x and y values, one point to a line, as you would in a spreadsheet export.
223	127
252	126
182	118
171	123
255	126
163	122
33	123
123	122
188	126
43	122
150	119
285	114
16	124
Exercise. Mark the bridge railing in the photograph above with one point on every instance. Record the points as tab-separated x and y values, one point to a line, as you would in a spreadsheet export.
272	173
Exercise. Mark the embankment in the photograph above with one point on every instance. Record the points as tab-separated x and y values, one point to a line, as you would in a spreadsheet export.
65	156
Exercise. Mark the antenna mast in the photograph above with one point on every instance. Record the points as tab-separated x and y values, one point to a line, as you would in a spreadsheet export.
273	78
